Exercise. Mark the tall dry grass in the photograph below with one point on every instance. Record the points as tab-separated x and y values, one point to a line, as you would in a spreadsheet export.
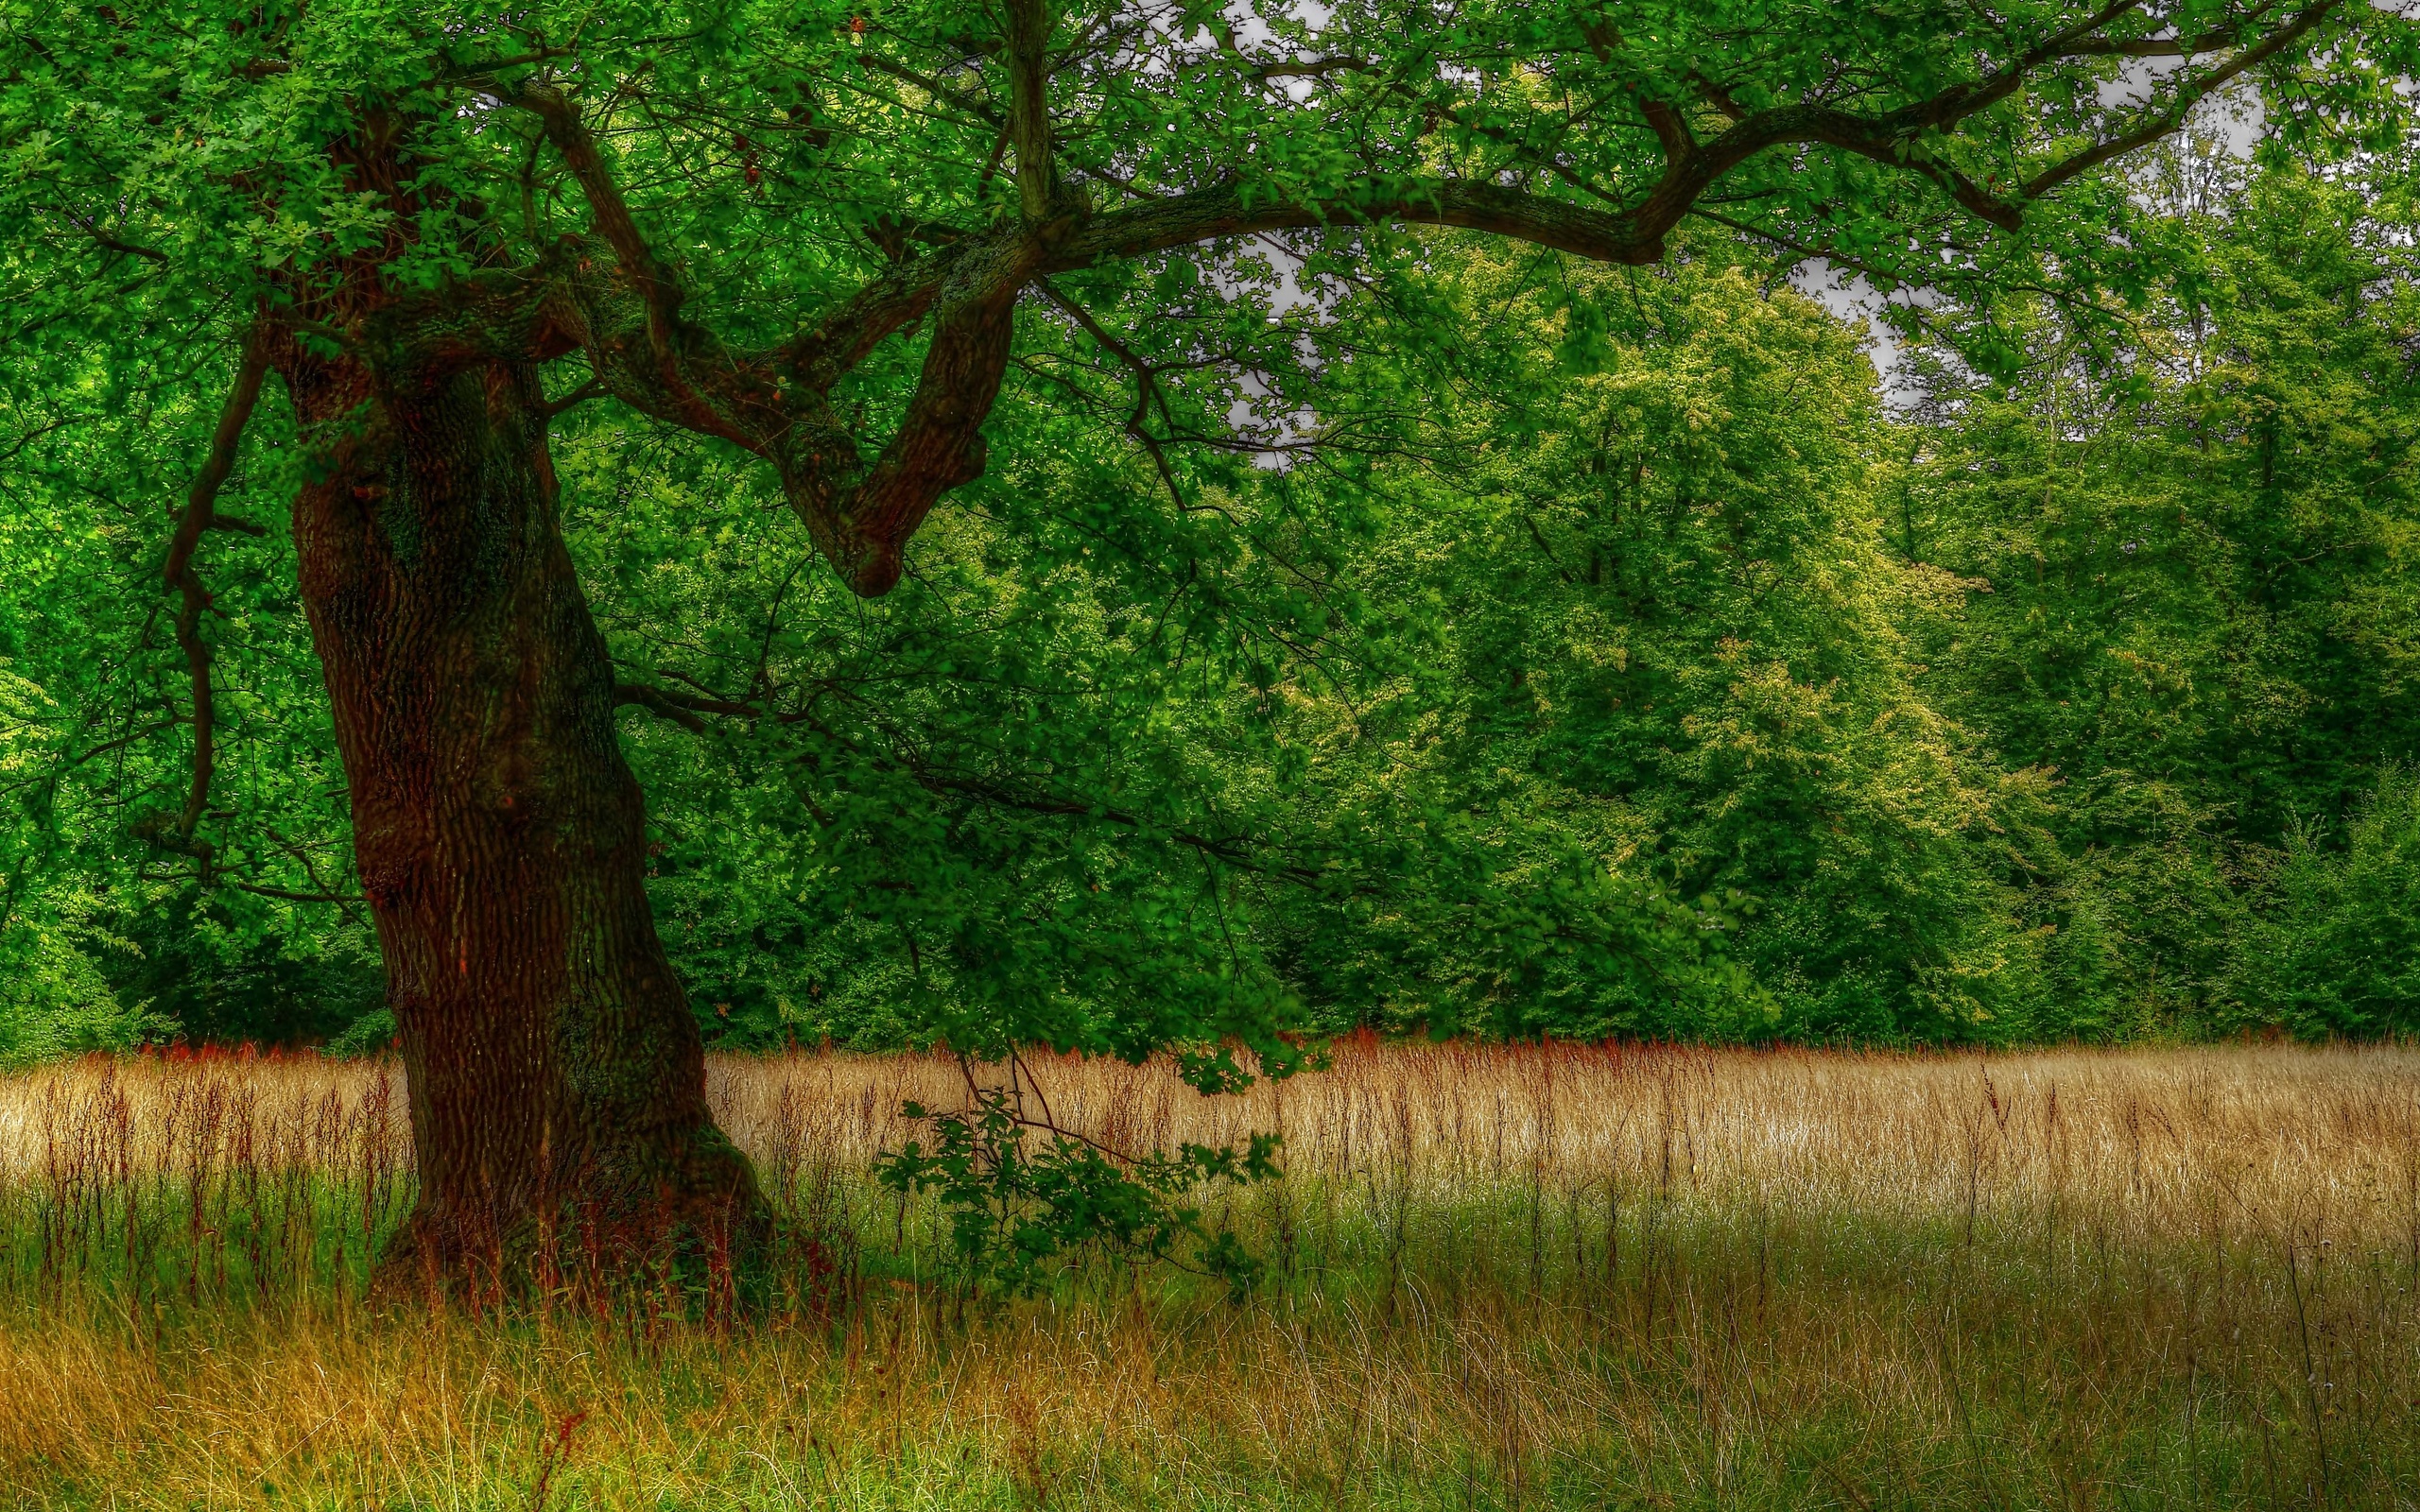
1496	1275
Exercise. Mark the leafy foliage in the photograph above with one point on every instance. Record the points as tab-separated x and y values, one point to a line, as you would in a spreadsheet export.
1352	623
2337	949
1664	644
1018	1209
2196	552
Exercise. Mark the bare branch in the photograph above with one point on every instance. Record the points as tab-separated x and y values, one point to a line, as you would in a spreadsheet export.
180	576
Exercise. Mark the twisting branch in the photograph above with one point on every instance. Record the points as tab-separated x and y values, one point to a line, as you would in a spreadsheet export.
2160	122
676	351
1671	130
1635	234
777	403
938	444
201	514
859	515
652	281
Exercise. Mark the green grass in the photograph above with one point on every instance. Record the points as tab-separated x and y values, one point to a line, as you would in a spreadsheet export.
1787	1281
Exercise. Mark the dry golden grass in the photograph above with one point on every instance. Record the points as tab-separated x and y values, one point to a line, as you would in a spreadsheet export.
1551	1276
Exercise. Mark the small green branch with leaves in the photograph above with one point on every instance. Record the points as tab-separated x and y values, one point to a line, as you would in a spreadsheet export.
1022	1191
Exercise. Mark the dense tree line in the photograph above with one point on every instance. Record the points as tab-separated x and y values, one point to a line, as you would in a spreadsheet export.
1622	663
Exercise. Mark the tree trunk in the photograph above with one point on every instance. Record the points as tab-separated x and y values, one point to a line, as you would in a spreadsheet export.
557	1078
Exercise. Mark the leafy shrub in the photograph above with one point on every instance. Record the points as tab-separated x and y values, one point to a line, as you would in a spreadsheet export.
1016	1204
2336	950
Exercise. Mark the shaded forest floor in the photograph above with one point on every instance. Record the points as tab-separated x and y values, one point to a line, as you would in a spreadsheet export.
1495	1277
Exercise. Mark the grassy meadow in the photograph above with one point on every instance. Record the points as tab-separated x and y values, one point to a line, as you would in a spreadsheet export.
1495	1277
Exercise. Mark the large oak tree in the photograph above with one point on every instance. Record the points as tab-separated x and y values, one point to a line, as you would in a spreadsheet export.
817	234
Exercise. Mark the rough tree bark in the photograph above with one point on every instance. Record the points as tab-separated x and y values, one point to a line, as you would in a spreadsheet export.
556	1074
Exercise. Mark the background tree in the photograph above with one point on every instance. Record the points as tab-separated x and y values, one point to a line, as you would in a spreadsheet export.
1637	519
821	238
2191	529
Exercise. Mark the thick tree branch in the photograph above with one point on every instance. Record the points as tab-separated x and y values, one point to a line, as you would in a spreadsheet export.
664	705
1636	235
1029	23
861	513
677	353
594	388
654	281
1671	132
894	301
1230	210
939	445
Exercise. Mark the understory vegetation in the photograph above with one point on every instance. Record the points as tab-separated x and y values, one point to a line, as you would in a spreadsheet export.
1492	1277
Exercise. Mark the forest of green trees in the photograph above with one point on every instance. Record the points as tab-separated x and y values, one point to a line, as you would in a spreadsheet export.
1411	629
1607	652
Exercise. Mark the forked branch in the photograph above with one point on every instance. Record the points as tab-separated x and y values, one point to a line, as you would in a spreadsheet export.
777	403
665	381
2159	123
